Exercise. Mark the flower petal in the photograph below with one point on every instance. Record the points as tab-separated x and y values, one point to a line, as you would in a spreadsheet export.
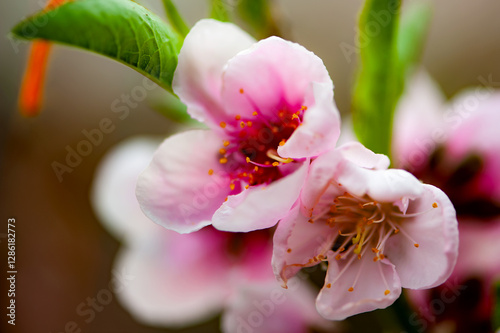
176	190
198	76
267	308
262	206
381	185
178	279
271	76
331	165
478	248
373	279
419	124
320	127
437	235
113	191
297	242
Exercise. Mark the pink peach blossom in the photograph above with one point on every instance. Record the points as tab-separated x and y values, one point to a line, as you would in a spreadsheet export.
456	146
269	109
181	280
378	230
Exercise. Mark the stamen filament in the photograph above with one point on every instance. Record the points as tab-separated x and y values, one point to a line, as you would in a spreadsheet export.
403	232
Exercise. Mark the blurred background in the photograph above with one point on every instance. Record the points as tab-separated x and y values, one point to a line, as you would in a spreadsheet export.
63	254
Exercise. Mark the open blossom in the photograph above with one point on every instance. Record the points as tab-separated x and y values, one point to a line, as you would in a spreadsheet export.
378	229
269	108
180	280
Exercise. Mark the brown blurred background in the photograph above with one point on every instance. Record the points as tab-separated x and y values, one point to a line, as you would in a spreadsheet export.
63	254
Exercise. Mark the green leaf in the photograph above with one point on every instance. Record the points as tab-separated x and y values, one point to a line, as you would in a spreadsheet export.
175	18
411	38
220	10
388	52
257	13
120	29
172	108
375	89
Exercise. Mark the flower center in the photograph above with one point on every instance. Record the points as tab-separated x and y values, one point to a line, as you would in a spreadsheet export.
250	151
362	226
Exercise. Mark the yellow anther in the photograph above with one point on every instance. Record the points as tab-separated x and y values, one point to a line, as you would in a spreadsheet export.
249	123
242	91
254	113
226	143
247	186
434	205
237	117
242	124
256	168
222	124
231	186
295	116
310	221
223	160
387	292
350	289
282	142
275	164
289	250
375	250
303	108
211	172
396	231
247	159
338	257
329	285
222	151
416	245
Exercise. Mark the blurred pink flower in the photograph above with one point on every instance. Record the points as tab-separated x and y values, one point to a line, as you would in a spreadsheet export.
269	108
458	149
181	280
454	146
378	229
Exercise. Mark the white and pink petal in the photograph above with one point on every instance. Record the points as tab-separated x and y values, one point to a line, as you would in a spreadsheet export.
203	56
261	206
434	229
271	76
185	183
299	243
175	280
354	286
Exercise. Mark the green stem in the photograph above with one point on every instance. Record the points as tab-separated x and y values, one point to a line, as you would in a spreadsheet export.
175	18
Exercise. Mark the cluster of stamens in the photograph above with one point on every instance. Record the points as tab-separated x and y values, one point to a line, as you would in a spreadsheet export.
361	226
250	150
